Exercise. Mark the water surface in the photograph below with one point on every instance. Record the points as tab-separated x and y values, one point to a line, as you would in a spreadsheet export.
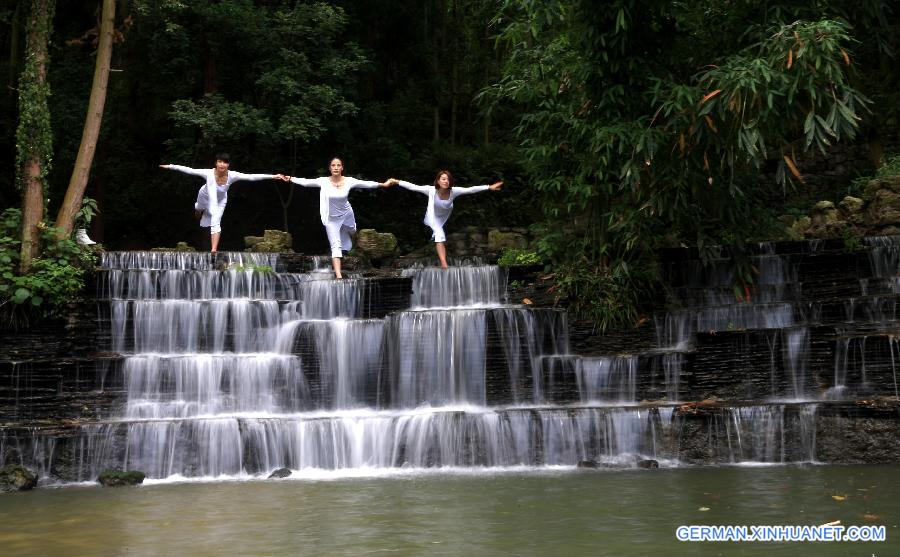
527	512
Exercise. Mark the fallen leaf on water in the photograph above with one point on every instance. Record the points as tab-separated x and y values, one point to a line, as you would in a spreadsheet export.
868	516
833	523
838	497
703	509
527	301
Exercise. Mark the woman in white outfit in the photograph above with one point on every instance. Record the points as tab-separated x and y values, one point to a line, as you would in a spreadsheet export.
213	195
440	204
334	208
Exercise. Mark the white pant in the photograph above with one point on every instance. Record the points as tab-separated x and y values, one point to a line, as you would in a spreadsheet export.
202	204
339	237
438	234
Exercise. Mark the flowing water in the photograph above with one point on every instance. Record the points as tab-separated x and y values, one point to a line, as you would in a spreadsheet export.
549	512
231	372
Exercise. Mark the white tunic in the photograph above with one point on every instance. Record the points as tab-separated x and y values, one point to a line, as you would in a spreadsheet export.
438	210
335	210
212	196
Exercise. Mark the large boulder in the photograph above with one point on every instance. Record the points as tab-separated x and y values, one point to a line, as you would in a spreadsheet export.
883	208
16	478
852	208
115	478
272	241
498	241
376	245
826	221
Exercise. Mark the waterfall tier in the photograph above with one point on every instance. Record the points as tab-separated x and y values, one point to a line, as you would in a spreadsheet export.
237	364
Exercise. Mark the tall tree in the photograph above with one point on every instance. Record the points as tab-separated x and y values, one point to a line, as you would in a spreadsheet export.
33	135
65	218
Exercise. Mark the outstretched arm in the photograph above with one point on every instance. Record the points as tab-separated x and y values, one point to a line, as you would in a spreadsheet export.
475	189
367	184
305	182
412	187
185	169
255	177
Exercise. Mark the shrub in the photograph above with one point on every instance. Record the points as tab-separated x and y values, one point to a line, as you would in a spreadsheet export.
513	256
56	276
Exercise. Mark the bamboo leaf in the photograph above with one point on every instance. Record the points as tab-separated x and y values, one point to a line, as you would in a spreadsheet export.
710	95
793	168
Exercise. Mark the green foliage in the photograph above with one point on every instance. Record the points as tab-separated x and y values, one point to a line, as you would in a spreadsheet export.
608	295
262	269
55	279
282	70
513	256
891	167
642	126
84	215
220	121
852	242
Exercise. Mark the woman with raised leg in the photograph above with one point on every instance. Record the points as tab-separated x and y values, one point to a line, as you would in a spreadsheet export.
440	205
334	208
213	195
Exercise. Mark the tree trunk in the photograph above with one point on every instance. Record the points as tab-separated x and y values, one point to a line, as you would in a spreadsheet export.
33	136
65	219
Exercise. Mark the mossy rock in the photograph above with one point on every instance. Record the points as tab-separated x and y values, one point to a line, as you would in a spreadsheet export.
272	241
824	207
498	241
14	477
116	478
853	208
376	244
884	208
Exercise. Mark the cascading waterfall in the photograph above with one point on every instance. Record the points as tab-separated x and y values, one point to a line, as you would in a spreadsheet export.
473	285
232	368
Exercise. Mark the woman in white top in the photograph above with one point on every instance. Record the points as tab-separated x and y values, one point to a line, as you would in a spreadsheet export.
213	195
334	208
440	204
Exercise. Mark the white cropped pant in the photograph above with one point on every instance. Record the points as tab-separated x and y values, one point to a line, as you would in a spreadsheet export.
438	233
339	237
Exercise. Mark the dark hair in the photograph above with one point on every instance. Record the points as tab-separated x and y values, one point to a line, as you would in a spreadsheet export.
438	177
223	157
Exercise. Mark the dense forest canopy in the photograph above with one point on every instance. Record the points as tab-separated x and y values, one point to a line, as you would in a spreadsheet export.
618	126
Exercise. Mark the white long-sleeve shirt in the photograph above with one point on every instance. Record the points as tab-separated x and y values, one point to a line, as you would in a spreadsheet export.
438	210
213	196
333	204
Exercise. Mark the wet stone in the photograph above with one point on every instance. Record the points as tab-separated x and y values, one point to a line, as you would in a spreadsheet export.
14	477
280	473
114	478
